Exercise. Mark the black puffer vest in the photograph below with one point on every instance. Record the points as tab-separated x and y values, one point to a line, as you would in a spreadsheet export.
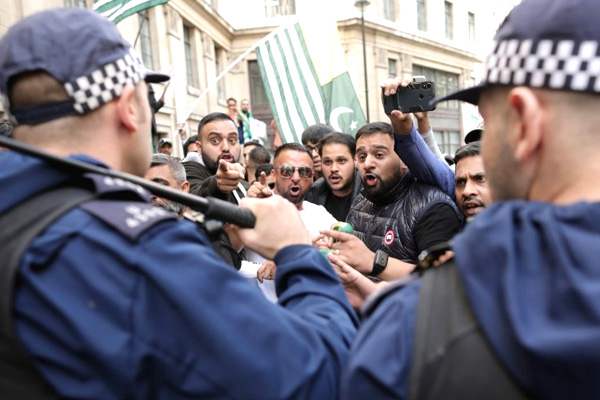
388	224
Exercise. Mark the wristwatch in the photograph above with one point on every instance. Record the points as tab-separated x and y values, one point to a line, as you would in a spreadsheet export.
380	262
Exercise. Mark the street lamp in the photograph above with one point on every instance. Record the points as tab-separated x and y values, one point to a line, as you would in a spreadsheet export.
361	5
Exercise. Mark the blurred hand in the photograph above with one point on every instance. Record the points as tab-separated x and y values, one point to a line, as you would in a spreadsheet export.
266	271
278	225
229	175
260	189
357	286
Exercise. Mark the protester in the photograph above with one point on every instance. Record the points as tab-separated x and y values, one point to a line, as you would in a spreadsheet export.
257	157
219	175
234	114
515	315
293	172
248	146
165	146
340	183
119	299
395	217
310	138
168	171
472	191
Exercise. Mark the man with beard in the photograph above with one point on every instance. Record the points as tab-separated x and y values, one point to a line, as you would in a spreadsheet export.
395	217
340	183
168	171
293	173
472	191
221	176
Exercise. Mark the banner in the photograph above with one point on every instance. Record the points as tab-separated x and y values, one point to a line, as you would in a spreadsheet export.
117	10
307	82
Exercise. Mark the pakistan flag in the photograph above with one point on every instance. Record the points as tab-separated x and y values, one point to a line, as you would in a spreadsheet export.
306	80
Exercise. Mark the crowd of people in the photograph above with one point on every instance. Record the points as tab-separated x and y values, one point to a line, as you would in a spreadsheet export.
373	269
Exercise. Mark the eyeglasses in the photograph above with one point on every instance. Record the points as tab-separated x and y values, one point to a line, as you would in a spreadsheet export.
287	171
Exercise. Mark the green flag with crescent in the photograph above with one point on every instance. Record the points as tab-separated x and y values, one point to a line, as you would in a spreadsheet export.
306	80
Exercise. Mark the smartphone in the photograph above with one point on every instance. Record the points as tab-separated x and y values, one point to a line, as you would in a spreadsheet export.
411	99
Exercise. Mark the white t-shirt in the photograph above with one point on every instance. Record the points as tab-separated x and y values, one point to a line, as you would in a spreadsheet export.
315	218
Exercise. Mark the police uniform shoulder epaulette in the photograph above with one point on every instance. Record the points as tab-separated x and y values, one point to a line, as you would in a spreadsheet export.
129	218
124	206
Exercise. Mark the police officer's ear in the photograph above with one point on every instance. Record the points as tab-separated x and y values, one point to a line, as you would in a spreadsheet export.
525	123
130	109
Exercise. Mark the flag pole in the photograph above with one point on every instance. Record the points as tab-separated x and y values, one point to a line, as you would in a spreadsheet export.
140	28
214	82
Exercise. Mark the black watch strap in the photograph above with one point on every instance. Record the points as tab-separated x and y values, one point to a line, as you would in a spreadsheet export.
380	262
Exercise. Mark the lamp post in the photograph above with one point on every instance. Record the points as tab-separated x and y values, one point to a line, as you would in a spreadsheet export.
361	4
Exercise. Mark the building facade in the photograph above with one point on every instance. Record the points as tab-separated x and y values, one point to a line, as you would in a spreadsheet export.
195	40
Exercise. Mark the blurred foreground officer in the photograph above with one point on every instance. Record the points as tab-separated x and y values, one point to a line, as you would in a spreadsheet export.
516	315
118	299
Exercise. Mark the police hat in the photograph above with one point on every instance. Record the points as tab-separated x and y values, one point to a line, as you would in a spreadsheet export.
550	44
81	50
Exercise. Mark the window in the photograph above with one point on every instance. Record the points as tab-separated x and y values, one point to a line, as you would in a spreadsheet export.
75	3
257	88
190	61
219	54
422	15
145	40
445	83
388	10
449	141
392	68
471	28
449	20
276	8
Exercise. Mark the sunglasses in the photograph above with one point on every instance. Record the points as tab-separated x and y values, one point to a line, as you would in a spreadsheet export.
287	171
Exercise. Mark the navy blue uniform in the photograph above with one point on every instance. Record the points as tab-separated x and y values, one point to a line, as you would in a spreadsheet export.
118	300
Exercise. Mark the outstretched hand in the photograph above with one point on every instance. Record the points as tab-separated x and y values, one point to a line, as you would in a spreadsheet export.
229	175
260	189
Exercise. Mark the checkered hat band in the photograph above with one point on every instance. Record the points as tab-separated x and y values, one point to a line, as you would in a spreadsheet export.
552	64
106	83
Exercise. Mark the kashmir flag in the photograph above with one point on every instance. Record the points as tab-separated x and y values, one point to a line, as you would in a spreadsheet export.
117	10
306	80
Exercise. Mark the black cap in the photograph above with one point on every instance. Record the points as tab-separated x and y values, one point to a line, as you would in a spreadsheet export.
81	50
473	136
551	44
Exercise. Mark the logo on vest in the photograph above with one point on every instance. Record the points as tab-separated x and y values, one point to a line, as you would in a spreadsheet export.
389	237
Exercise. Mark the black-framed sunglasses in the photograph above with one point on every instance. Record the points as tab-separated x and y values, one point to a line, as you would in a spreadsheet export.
287	171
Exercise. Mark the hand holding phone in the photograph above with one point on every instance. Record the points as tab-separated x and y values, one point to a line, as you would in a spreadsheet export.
410	99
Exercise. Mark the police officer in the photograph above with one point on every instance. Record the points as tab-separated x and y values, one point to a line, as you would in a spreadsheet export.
118	299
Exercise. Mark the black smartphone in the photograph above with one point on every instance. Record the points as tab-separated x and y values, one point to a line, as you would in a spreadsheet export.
411	99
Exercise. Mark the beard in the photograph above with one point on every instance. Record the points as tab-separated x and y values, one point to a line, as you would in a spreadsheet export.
213	165
170	206
376	193
288	196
